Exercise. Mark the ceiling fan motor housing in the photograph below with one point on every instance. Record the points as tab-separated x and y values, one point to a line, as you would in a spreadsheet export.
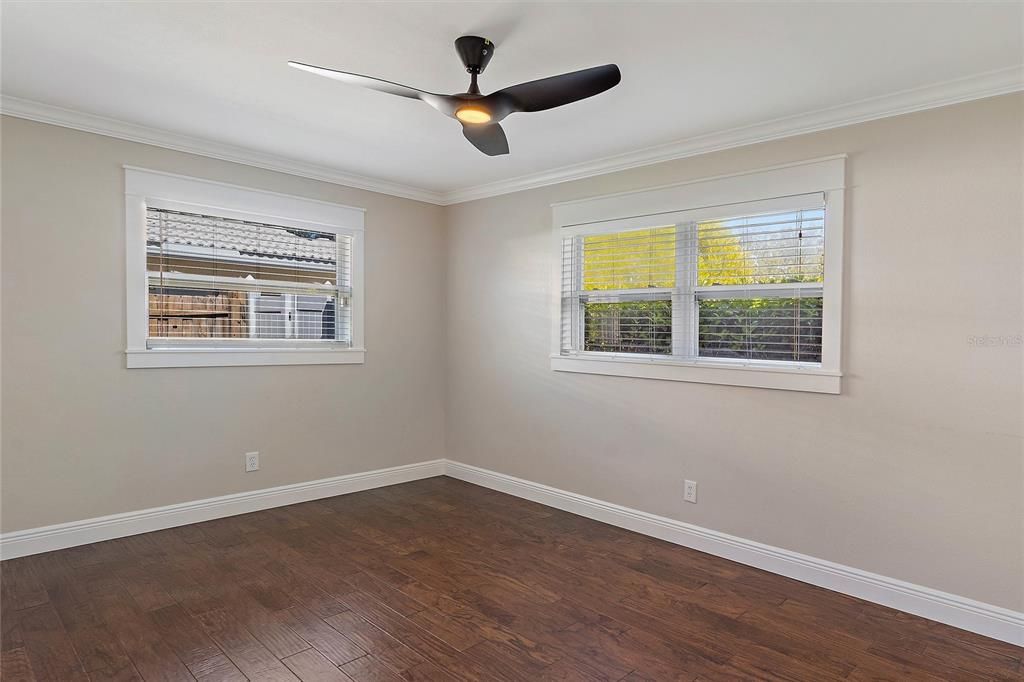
475	52
480	114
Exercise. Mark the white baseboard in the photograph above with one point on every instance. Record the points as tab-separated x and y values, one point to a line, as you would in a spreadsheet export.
967	614
63	535
960	612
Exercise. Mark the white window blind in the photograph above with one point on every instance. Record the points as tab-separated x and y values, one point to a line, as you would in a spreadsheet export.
216	281
740	288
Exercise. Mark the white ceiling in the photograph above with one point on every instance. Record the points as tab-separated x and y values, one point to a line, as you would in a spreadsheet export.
217	71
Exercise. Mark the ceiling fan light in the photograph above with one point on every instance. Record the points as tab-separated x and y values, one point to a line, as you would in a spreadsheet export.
473	115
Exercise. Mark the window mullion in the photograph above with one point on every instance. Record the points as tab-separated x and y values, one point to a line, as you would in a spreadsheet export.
684	337
290	313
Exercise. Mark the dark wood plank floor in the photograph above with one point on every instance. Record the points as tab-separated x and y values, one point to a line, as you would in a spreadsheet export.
442	580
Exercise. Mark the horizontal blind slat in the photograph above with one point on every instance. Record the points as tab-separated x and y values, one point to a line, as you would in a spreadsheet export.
216	280
630	291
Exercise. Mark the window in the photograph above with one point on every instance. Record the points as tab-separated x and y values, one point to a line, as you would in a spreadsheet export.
746	287
696	294
234	276
213	279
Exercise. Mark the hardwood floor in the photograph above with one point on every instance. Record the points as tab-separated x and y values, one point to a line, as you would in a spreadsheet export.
442	580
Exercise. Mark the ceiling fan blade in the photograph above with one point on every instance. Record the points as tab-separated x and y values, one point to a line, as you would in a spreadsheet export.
548	93
364	81
489	138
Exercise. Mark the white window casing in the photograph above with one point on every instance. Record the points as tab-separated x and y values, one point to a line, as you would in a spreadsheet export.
312	317
765	216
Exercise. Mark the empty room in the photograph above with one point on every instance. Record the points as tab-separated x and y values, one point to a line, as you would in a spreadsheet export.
511	341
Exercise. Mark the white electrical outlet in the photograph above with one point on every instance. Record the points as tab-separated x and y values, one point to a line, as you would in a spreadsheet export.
252	461
690	491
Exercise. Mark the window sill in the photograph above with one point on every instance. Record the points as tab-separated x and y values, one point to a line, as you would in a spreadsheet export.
812	380
242	357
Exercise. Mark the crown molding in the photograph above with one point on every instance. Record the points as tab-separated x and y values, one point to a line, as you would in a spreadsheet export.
989	84
102	125
992	83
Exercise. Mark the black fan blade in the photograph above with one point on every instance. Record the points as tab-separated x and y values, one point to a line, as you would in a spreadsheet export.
548	93
489	138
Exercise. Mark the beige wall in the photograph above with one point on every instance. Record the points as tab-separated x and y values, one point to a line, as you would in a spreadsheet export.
914	471
83	436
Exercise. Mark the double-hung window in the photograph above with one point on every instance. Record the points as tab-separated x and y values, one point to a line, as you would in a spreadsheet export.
743	292
224	275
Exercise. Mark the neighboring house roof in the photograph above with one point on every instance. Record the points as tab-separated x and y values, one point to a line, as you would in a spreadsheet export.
248	239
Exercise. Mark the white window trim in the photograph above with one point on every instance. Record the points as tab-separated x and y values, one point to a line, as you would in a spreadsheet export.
701	199
147	188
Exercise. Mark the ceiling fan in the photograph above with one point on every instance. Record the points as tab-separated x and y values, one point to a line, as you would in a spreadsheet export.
481	114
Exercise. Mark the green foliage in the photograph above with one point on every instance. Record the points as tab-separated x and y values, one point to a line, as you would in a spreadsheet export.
638	259
720	257
630	327
643	259
759	258
787	329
